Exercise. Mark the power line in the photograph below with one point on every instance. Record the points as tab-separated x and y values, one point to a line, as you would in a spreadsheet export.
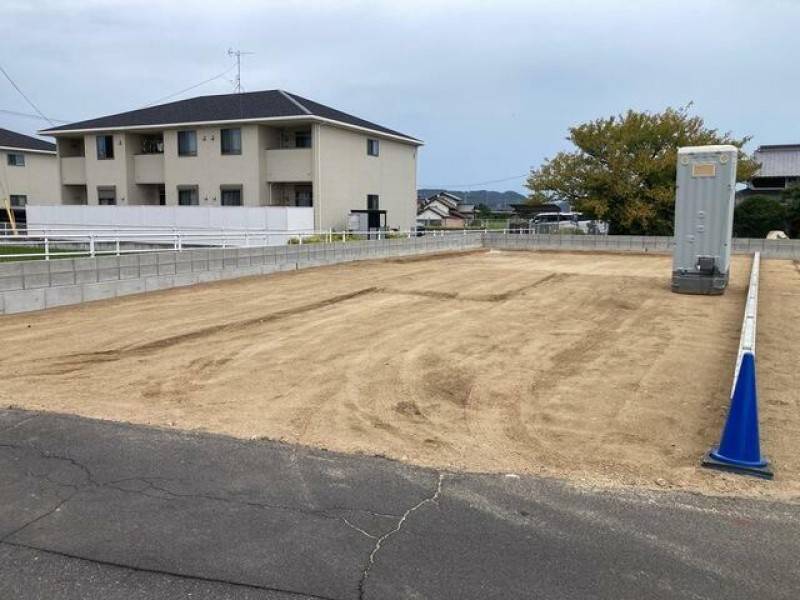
29	116
196	85
21	93
453	186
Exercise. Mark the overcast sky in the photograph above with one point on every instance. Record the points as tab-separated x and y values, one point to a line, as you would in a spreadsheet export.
491	87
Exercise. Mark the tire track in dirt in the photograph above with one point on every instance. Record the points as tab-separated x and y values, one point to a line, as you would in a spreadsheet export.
78	361
500	297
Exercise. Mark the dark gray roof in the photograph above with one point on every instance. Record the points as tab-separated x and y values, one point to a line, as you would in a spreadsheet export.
12	139
778	161
226	107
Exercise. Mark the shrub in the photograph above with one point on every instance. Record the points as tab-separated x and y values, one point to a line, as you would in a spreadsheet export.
756	216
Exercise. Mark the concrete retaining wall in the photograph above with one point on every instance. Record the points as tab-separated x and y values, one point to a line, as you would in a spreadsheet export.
631	243
38	284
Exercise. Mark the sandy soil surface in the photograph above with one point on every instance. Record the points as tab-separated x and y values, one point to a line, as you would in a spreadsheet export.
582	366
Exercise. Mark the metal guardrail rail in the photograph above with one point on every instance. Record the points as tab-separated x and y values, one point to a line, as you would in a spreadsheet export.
747	339
95	242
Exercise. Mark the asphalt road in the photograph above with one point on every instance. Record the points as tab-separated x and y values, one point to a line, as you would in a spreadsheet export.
92	509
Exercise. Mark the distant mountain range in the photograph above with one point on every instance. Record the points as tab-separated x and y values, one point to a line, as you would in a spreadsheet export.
490	198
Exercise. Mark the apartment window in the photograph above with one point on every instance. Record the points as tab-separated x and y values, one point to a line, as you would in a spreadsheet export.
105	147
188	196
231	196
162	195
302	139
16	160
372	201
231	141
303	196
373	147
187	143
18	200
106	196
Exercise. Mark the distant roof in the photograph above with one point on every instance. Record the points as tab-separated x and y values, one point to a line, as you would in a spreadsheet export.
446	194
12	139
269	104
782	160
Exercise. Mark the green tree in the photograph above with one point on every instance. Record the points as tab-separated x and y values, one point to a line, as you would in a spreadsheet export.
623	168
483	211
791	198
756	216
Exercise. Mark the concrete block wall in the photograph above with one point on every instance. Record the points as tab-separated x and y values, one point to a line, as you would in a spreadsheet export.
35	285
788	249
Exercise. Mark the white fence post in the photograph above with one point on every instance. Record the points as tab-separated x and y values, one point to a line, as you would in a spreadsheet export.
91	245
46	248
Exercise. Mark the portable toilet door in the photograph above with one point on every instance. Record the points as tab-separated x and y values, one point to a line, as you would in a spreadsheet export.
704	194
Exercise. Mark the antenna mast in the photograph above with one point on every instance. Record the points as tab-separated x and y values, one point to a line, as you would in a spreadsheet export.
237	84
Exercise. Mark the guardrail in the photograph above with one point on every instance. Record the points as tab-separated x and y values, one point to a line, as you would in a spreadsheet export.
747	339
739	448
71	242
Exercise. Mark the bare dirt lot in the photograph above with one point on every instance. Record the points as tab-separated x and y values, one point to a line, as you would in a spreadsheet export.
582	366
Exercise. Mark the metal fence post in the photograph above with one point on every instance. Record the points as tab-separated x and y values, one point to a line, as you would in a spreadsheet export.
91	244
46	248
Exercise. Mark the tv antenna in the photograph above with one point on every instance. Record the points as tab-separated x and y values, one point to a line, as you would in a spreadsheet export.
237	83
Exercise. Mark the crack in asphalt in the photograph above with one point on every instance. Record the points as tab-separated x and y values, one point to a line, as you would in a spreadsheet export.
358	529
159	491
150	483
398	526
38	518
136	569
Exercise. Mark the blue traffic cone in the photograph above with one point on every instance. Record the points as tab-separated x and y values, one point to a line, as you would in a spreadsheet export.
739	449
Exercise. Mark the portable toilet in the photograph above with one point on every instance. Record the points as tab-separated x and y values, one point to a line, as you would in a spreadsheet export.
705	188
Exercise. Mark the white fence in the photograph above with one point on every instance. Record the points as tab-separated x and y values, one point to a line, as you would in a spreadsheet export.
62	242
170	218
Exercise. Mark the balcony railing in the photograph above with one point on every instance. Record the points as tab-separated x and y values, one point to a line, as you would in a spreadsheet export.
73	170
148	168
289	165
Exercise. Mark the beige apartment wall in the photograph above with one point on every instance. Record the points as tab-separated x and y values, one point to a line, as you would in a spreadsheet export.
38	179
112	172
210	170
345	174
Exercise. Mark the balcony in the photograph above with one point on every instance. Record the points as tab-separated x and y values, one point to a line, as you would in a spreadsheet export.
73	170
289	164
148	168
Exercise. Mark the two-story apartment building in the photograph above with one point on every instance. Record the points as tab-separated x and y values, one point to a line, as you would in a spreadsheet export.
256	149
28	170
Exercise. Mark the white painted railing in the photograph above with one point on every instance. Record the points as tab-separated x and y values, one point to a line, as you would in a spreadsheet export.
747	339
46	243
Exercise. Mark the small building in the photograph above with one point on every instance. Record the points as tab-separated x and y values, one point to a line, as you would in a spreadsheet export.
780	169
28	172
445	210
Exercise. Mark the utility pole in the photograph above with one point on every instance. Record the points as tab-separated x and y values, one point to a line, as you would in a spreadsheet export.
237	84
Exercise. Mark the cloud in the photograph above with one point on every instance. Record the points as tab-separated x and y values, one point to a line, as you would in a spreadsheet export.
490	86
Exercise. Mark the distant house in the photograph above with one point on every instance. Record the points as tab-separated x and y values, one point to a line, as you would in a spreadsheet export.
28	170
780	168
445	210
